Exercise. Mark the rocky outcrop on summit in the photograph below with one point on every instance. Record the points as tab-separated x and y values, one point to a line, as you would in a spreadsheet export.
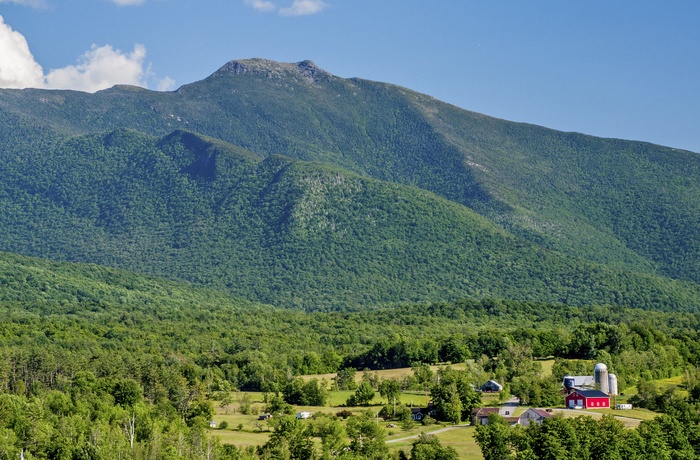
273	69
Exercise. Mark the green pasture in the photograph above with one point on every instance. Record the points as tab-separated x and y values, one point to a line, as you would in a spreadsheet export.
460	438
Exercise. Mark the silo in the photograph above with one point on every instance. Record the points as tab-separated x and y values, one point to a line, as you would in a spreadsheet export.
569	383
612	384
600	376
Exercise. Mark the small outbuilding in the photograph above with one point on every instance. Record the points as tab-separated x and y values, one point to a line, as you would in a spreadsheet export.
491	387
587	399
417	414
480	415
303	415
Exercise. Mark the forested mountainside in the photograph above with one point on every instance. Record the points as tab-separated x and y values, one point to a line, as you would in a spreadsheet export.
283	231
120	178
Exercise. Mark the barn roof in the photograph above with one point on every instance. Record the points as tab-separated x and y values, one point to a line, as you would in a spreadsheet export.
540	412
591	393
484	411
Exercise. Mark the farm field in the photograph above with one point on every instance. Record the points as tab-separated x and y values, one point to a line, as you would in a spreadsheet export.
547	365
397	373
678	381
630	418
256	432
641	414
246	430
461	438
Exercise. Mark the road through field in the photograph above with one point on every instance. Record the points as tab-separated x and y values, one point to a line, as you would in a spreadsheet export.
448	428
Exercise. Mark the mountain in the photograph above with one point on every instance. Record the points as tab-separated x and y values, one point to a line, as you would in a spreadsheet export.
283	183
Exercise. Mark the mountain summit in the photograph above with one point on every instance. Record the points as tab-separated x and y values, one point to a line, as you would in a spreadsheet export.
273	69
281	182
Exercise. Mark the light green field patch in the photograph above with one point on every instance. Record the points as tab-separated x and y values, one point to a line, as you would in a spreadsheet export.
397	374
661	384
460	438
547	365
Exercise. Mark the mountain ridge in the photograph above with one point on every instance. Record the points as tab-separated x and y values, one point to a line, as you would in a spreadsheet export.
632	206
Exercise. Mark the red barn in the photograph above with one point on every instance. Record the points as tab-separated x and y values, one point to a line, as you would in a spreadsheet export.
587	399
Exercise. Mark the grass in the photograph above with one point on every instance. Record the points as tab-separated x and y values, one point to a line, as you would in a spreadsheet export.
338	399
397	374
547	365
660	384
630	418
254	432
241	438
460	438
642	414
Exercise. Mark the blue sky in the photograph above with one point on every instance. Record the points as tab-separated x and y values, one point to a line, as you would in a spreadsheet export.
626	69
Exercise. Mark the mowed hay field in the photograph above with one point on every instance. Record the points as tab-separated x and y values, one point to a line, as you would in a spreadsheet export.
403	372
397	374
460	438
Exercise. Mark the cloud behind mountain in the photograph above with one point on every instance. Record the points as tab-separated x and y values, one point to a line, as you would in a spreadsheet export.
100	67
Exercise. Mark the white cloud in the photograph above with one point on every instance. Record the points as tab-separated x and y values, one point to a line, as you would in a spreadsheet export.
303	8
18	69
261	5
297	8
101	68
127	2
32	3
166	84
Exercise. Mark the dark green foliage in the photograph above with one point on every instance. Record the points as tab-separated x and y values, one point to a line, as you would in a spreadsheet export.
538	392
563	367
277	405
87	424
366	437
362	396
494	438
310	393
389	389
63	319
428	447
290	439
126	392
345	379
653	398
112	178
454	397
665	437
95	348
331	432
